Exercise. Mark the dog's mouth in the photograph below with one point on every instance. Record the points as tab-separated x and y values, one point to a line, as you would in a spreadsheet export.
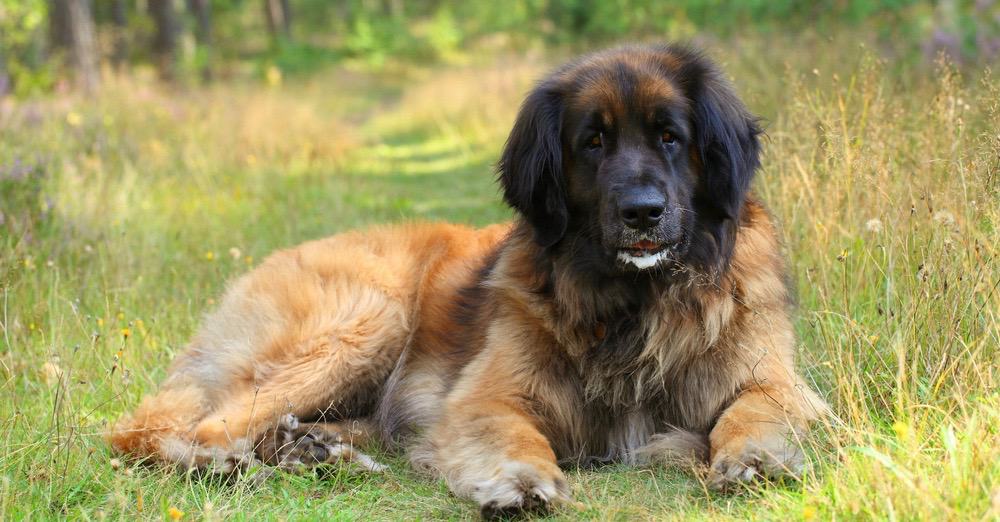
646	253
643	248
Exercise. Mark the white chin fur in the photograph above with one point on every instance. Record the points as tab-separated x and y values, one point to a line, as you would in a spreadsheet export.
644	261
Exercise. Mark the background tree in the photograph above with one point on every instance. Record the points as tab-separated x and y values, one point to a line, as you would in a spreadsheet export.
201	10
41	39
5	84
165	40
59	29
119	22
279	20
71	31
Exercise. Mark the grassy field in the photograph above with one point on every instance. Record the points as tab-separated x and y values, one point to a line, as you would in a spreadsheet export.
124	214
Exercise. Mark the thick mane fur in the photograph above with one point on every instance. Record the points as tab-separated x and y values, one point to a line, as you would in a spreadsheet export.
631	340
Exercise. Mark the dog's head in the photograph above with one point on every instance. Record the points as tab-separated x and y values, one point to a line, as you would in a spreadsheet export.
633	159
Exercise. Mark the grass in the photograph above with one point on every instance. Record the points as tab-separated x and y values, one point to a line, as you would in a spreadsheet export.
123	216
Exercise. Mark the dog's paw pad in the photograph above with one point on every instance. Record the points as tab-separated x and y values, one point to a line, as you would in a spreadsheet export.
520	487
308	447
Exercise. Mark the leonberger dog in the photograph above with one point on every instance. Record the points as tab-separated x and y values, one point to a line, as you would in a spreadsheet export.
636	310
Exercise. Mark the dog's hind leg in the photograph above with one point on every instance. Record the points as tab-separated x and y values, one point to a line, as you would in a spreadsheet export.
343	363
313	329
159	429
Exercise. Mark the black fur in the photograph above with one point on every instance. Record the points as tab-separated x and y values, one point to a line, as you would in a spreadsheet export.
727	137
530	167
537	160
726	134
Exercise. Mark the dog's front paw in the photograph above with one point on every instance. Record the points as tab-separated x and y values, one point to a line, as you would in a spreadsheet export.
521	487
743	458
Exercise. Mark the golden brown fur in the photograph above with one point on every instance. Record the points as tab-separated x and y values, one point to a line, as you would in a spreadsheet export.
494	356
311	330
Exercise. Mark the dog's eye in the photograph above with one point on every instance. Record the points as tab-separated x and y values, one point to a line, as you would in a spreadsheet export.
667	138
595	142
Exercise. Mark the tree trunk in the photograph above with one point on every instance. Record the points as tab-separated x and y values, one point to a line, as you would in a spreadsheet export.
396	9
59	28
119	16
5	83
165	40
202	12
279	20
71	28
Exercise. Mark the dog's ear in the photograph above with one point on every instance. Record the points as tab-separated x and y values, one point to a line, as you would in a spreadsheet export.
726	135
530	167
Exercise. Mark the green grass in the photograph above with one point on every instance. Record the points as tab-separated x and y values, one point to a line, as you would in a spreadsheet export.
124	215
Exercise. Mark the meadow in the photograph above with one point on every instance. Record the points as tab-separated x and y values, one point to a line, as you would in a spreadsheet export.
124	214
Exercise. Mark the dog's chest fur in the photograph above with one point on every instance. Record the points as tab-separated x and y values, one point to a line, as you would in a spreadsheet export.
630	354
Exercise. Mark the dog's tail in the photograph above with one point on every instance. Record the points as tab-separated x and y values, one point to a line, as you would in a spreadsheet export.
674	448
160	431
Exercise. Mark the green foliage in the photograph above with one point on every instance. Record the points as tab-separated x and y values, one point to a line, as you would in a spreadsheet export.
380	32
22	24
444	35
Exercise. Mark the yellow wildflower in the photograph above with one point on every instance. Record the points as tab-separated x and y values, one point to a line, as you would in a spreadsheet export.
902	430
274	76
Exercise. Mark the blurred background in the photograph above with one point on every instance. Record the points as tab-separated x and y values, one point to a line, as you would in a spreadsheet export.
46	44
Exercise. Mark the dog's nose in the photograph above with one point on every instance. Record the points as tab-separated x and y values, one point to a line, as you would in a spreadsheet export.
642	210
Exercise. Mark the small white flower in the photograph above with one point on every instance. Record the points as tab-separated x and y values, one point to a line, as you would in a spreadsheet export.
873	225
235	253
944	218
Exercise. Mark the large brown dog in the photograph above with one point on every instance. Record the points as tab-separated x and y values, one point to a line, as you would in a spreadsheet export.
636	310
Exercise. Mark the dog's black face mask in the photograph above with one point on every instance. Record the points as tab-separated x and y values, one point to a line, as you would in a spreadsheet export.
633	160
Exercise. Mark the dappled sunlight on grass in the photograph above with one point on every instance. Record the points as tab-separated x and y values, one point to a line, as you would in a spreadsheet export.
417	150
375	163
472	105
